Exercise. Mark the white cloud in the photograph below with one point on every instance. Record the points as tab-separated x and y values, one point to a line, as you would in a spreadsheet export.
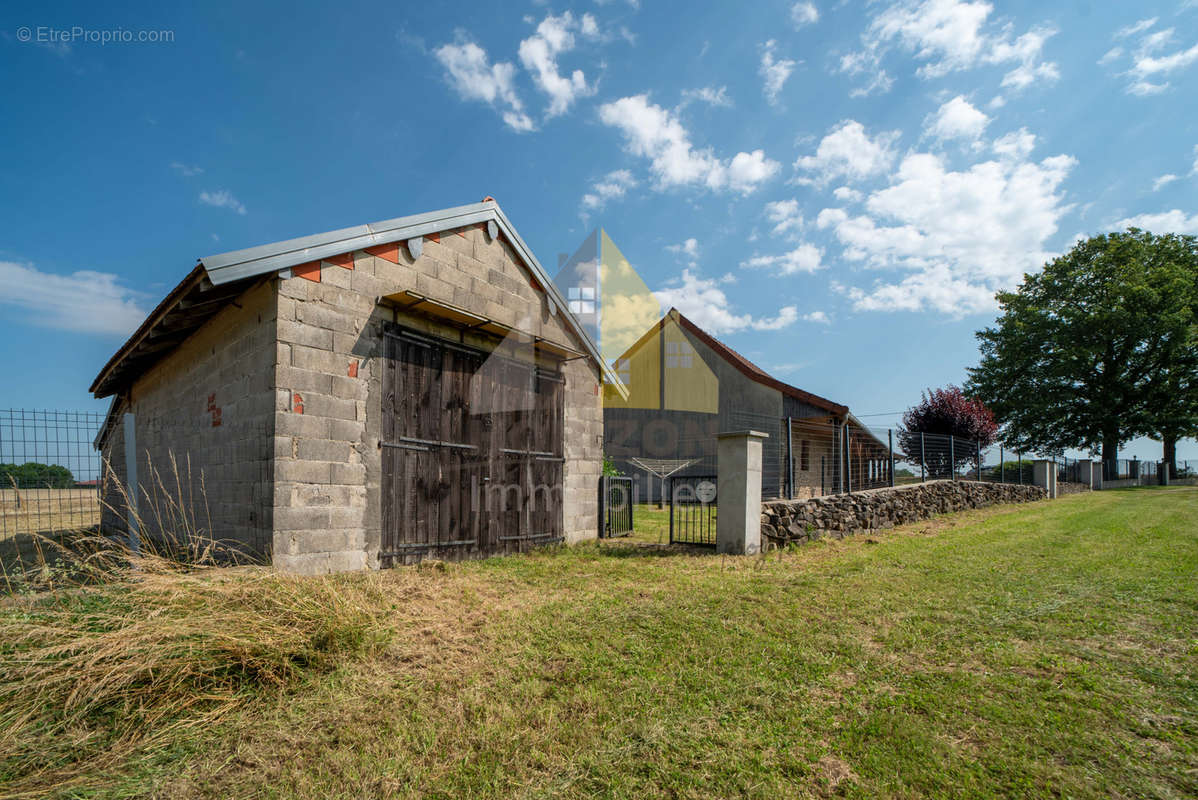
1174	221
848	152
785	216
747	171
539	52
949	36
689	248
475	78
652	132
186	170
222	198
846	194
706	304
961	234
956	119
1163	181
84	301
806	258
1149	69
1138	27
803	14
774	72
611	186
1016	145
817	316
1194	171
707	94
588	27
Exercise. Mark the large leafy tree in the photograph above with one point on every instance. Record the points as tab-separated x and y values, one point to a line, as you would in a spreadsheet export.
943	413
1084	352
32	475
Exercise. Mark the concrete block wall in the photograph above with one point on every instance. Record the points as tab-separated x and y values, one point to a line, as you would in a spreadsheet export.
204	421
328	397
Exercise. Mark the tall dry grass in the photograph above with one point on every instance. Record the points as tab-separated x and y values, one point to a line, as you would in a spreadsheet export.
120	648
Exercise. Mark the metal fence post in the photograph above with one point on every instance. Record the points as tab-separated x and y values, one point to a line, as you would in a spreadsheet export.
1019	456
952	455
848	461
132	488
978	443
922	458
1002	466
890	440
790	460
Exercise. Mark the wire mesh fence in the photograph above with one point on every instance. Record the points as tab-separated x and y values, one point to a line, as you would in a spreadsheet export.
50	471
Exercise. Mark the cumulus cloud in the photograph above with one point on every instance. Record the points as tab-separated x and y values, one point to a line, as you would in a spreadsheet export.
961	235
785	217
656	134
847	194
222	198
803	14
703	301
1016	145
539	52
956	119
949	36
82	302
806	258
774	72
472	75
1174	221
611	186
817	316
848	152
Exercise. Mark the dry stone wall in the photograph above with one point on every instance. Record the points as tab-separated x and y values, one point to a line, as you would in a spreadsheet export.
786	521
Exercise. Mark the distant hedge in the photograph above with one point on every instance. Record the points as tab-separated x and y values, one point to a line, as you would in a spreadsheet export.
32	475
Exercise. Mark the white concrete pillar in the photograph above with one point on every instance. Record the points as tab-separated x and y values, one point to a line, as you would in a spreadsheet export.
738	502
1044	475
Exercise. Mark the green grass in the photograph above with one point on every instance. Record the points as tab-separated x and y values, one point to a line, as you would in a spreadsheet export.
1048	649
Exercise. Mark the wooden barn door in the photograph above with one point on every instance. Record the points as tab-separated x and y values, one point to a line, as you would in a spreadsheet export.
472	456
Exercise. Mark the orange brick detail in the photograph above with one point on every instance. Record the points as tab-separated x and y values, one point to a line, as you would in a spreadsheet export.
434	237
311	271
462	231
353	369
297	403
387	252
346	260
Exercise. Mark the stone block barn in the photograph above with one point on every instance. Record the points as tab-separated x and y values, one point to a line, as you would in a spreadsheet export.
362	398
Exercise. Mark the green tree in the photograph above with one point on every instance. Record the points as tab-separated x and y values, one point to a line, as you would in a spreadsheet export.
1085	352
32	475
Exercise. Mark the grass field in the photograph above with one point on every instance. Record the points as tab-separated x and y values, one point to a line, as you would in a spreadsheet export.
1046	649
46	510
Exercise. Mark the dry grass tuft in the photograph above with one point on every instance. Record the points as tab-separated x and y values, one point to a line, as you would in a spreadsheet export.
88	674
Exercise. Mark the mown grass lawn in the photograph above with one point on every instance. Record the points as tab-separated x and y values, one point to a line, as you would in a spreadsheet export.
1049	649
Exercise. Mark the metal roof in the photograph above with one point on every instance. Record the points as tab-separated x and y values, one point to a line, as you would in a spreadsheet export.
239	266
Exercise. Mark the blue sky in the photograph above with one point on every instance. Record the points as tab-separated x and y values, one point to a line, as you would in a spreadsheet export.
836	189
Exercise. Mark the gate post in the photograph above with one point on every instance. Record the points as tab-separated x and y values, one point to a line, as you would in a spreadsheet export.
1044	475
738	502
132	486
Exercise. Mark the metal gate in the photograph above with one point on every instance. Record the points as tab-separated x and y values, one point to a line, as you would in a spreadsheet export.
471	451
615	506
693	509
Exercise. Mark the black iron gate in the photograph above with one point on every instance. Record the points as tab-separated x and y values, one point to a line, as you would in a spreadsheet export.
615	506
692	509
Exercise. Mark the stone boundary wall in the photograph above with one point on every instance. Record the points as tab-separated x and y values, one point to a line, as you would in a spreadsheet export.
786	521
